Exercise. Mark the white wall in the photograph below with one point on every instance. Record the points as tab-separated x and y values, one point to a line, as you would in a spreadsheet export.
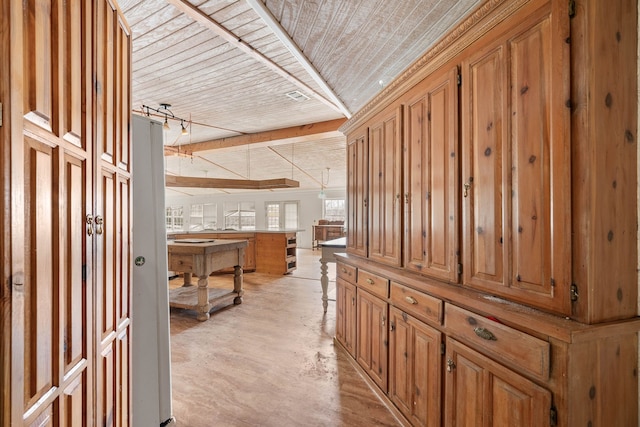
310	206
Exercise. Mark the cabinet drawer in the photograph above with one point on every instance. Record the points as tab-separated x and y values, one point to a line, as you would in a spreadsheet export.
423	306
373	283
514	348
346	272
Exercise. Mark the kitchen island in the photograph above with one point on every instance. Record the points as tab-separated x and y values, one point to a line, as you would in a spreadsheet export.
201	257
267	251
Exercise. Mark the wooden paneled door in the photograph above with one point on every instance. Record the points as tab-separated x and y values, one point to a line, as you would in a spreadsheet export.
66	108
385	187
357	190
431	177
516	161
480	392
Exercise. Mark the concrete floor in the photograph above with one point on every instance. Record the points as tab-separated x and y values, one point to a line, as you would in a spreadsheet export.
270	361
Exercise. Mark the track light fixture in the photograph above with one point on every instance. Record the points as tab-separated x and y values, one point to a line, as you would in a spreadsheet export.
163	110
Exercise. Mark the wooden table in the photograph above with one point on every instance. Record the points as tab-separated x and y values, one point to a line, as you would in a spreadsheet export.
202	257
329	248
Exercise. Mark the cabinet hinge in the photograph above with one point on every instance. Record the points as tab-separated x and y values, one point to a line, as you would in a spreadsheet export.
574	292
443	350
84	272
0	114
572	8
459	269
459	77
553	416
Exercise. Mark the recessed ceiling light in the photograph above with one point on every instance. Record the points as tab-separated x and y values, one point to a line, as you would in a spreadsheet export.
296	95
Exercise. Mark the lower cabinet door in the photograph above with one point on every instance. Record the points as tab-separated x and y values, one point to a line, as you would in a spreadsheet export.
415	368
372	336
346	315
481	392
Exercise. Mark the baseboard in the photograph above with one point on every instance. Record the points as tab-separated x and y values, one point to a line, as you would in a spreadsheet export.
373	386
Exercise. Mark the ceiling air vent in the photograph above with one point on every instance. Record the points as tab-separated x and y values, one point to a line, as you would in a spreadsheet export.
297	96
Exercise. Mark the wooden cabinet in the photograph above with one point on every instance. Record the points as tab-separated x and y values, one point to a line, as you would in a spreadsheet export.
276	252
519	136
324	232
515	161
431	177
415	368
480	392
65	297
372	335
458	358
357	191
374	189
385	187
346	315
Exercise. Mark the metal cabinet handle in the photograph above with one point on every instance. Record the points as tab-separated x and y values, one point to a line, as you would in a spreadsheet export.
370	281
99	222
467	186
450	365
410	300
485	334
344	270
89	221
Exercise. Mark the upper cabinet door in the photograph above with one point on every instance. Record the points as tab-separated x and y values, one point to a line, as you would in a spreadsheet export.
431	177
357	189
385	187
516	163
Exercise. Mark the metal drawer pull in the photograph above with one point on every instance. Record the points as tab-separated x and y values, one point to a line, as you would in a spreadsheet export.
370	281
485	334
344	270
410	300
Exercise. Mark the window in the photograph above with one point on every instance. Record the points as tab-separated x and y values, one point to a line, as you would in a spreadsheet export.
174	219
239	216
204	217
195	221
334	210
282	215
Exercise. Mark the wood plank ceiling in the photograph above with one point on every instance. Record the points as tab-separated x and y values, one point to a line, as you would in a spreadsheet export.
227	66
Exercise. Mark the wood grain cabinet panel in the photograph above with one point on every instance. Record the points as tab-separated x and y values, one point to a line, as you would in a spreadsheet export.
373	283
421	305
385	187
415	368
66	120
372	336
515	159
480	392
346	315
431	159
528	354
357	192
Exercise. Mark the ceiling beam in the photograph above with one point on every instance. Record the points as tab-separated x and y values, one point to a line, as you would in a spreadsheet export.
205	20
246	184
297	133
263	11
